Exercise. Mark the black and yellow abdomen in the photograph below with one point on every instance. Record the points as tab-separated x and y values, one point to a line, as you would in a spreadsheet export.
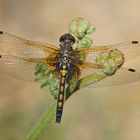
60	99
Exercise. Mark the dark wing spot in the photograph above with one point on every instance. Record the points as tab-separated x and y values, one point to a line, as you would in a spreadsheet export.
131	70
1	32
0	56
135	42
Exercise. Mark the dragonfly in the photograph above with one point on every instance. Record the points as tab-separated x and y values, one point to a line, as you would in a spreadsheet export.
19	56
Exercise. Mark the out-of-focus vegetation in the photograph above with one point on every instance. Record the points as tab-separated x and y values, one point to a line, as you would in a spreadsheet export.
103	113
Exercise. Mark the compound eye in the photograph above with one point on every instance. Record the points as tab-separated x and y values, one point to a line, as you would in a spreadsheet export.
67	38
62	38
72	40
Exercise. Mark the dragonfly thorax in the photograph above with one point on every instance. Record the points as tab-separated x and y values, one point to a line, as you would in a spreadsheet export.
65	56
66	42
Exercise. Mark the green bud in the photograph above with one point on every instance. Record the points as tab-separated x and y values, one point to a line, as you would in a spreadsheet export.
85	42
90	30
80	27
111	61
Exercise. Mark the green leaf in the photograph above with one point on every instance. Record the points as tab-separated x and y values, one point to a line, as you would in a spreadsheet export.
90	79
72	82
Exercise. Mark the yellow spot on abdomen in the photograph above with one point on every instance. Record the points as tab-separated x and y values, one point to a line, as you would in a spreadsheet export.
63	72
64	66
60	104
60	96
62	88
62	80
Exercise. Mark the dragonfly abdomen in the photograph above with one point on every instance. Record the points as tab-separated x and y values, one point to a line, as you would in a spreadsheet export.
60	99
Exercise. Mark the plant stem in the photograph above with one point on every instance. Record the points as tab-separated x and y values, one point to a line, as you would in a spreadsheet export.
42	123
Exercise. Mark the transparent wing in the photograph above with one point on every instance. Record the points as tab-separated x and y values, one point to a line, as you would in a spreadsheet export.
122	76
112	69
17	68
18	56
17	46
130	49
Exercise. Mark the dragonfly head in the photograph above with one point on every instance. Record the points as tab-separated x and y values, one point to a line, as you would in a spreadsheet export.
67	39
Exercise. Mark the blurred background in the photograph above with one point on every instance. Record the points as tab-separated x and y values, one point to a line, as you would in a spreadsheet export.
110	113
